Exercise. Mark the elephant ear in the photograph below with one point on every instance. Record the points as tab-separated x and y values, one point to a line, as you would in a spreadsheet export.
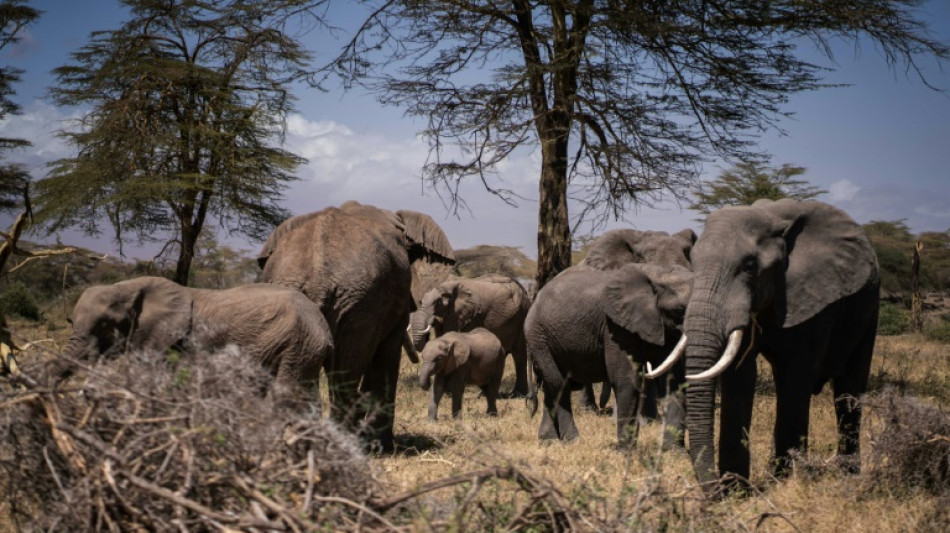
630	301
613	249
425	238
163	312
673	285
284	228
829	256
458	353
688	238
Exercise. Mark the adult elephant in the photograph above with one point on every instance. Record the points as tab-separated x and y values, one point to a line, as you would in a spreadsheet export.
589	325
355	262
275	326
798	282
615	248
494	302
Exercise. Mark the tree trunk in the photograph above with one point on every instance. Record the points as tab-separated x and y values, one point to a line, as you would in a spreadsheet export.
554	231
186	254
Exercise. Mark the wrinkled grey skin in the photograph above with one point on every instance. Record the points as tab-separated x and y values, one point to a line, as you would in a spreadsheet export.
275	326
355	263
495	302
808	274
588	325
616	248
457	359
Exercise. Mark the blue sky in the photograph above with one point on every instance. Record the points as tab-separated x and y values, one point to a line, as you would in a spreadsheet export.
880	146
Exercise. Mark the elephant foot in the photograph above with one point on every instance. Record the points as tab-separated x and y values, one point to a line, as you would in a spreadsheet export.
734	486
849	464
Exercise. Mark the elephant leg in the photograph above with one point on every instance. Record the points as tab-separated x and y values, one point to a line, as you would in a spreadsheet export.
793	402
457	386
438	389
622	378
649	410
491	394
848	390
557	421
520	356
604	397
379	382
738	393
587	399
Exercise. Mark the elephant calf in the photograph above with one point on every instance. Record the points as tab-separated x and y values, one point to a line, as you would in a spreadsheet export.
459	359
276	326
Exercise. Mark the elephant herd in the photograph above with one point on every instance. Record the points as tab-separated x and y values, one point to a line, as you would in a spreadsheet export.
659	319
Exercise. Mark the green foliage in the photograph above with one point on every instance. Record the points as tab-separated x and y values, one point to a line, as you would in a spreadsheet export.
17	300
939	332
14	16
188	102
893	320
894	244
749	181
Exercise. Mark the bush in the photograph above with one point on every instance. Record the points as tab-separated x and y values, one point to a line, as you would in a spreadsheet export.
892	320
150	442
18	300
939	332
912	447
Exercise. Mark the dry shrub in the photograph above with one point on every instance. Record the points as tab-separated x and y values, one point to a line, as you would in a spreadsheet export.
148	442
912	447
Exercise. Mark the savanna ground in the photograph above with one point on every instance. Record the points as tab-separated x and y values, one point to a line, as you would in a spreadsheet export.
644	489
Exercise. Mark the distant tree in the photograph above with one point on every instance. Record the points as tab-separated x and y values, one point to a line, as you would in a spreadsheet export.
625	99
14	180
188	104
935	260
750	181
893	243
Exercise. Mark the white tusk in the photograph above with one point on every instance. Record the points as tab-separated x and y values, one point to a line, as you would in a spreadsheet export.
426	330
671	360
732	348
409	328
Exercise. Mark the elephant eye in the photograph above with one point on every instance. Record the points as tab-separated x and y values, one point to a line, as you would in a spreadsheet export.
750	265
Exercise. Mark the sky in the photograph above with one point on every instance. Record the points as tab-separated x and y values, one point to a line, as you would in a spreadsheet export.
880	146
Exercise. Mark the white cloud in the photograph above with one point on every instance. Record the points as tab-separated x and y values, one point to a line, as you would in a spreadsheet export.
843	191
38	124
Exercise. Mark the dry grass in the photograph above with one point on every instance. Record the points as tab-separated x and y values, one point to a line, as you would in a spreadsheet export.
643	489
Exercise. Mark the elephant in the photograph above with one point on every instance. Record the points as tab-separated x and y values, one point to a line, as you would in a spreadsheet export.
355	262
457	359
795	281
276	326
495	302
590	325
615	248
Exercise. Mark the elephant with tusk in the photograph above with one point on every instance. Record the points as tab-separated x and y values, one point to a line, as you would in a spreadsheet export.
795	281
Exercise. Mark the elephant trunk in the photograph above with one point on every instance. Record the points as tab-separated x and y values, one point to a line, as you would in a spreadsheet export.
425	374
419	329
76	349
703	350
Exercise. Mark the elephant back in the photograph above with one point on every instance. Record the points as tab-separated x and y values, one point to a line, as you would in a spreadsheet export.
616	248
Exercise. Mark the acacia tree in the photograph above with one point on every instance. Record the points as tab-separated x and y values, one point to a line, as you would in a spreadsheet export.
188	101
14	16
626	99
749	181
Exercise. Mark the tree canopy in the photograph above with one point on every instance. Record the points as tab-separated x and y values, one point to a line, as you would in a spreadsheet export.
750	181
188	101
14	179
625	99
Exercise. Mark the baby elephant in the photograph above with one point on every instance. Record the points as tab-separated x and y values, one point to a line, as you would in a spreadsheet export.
276	326
459	359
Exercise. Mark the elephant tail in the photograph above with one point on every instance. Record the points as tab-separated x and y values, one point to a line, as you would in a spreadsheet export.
531	400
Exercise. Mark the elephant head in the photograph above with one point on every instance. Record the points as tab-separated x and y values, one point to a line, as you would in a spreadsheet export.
146	312
649	300
442	356
443	308
768	265
615	248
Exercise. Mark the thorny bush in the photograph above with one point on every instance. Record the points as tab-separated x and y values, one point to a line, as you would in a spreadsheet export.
162	443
